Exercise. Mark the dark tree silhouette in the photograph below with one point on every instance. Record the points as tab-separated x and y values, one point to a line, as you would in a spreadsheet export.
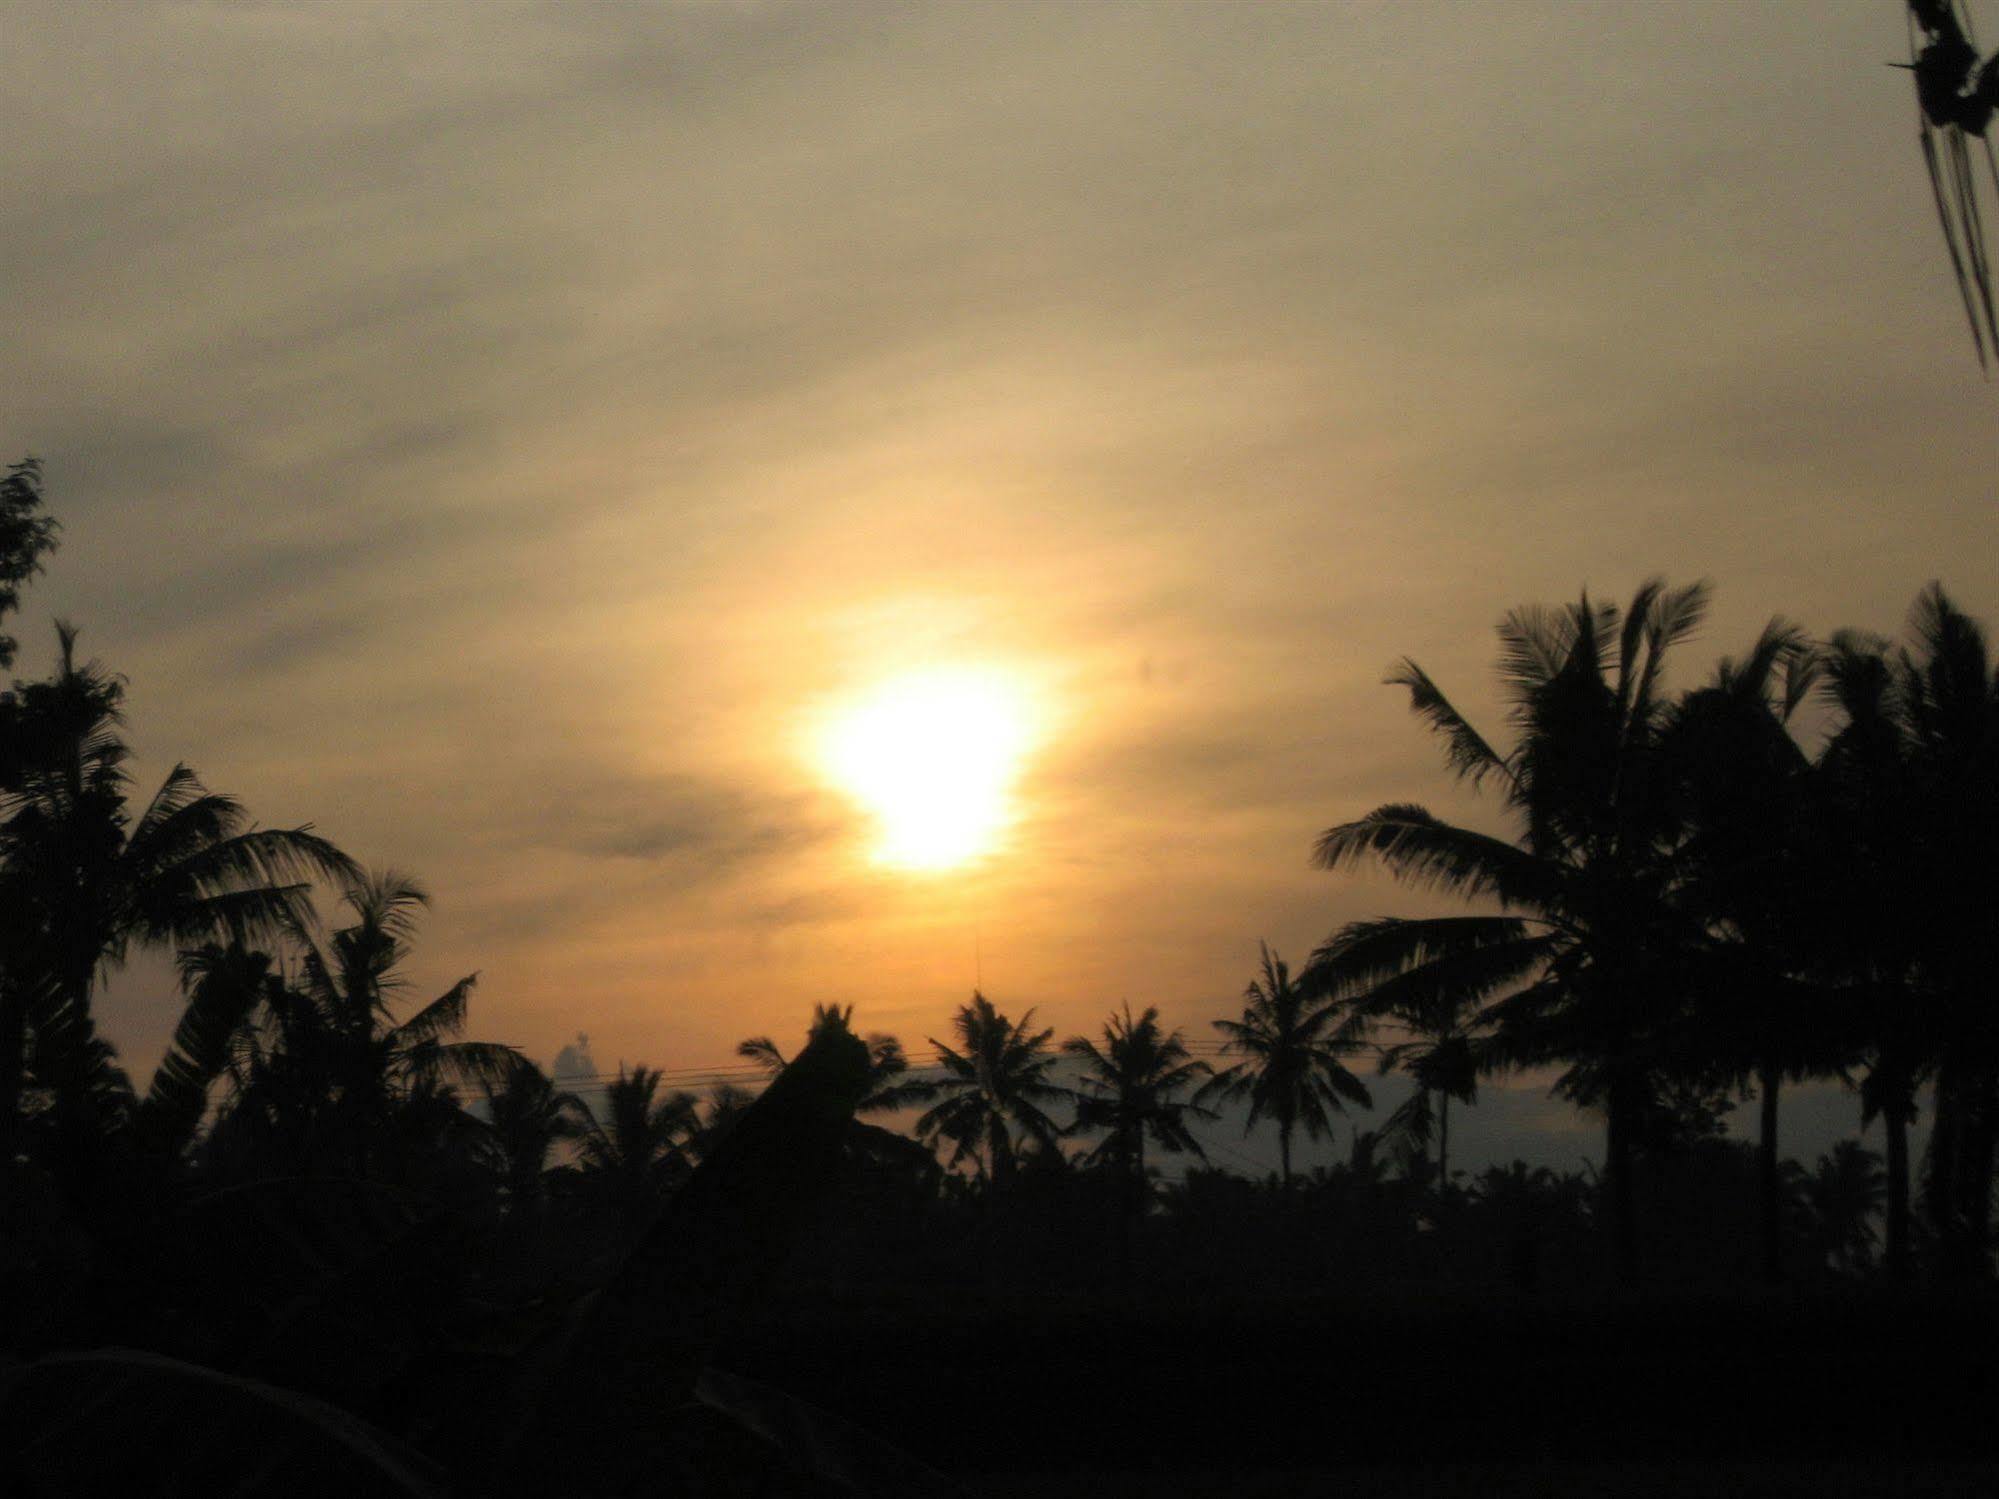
1293	1045
890	1087
1872	884
1131	1089
337	1079
1843	1196
26	537
635	1147
1948	699
85	877
527	1117
1588	940
995	1091
1441	1023
227	989
1752	858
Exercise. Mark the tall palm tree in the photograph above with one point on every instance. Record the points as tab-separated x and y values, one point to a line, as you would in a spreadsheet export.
1588	936
85	878
1441	1026
1131	1089
337	1075
1947	696
1294	1043
1753	854
1871	885
994	1091
635	1145
227	988
528	1116
1843	1196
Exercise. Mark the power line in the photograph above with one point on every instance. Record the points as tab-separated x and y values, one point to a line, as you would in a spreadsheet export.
746	1071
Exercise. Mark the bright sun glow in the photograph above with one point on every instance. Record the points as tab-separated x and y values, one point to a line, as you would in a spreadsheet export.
933	757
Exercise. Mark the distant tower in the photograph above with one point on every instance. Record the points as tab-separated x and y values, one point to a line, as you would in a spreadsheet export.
574	1062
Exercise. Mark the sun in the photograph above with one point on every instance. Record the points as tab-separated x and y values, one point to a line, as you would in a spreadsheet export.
933	756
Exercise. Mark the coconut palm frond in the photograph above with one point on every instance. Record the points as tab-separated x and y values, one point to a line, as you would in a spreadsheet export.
1467	751
1425	852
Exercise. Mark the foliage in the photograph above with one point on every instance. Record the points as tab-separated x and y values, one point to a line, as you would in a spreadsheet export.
995	1091
1293	1044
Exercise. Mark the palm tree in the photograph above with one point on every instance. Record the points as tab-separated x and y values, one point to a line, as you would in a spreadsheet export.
85	880
1588	935
335	1073
1440	1055
227	989
1130	1089
1947	698
726	1103
1753	854
1442	1061
1871	884
1843	1196
26	536
993	1091
528	1116
636	1145
1293	1046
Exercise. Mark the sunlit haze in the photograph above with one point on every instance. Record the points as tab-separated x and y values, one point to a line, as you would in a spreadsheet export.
933	757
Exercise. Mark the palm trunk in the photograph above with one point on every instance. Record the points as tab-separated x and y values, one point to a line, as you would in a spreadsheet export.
1944	1190
13	1058
1443	1144
1284	1153
1896	1254
1133	1213
1768	1080
1976	1171
1620	1111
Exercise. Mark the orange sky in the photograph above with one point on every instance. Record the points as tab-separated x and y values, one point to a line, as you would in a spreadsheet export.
493	431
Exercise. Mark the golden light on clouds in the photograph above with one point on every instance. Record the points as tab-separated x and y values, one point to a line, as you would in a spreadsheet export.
933	757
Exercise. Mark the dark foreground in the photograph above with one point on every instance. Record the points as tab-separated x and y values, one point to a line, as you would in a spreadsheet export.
1832	1394
1532	1481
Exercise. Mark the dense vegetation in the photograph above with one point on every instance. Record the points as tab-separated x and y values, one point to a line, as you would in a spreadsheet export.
409	1260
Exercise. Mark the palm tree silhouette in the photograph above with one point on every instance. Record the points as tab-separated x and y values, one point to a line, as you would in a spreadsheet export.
1440	1055
637	1145
26	536
528	1116
1872	886
1947	698
85	878
338	1076
994	1088
1751	857
227	988
1588	936
1843	1196
1293	1044
1130	1089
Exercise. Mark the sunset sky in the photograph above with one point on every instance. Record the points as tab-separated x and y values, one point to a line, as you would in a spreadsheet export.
515	437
